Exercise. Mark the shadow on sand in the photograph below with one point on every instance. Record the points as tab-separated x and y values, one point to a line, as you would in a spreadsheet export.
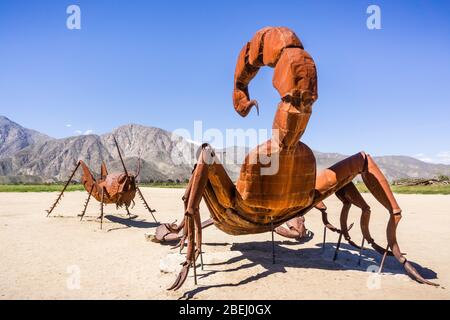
260	253
130	222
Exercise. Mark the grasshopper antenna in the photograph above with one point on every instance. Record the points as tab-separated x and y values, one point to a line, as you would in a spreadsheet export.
120	155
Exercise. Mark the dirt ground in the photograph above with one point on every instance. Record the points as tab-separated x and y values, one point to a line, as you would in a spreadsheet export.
62	258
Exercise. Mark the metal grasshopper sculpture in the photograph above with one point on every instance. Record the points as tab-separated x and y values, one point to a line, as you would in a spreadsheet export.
262	202
117	188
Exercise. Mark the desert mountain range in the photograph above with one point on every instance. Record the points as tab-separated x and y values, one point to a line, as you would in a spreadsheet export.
30	156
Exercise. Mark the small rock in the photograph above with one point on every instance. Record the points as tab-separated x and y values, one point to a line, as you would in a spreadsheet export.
171	263
149	236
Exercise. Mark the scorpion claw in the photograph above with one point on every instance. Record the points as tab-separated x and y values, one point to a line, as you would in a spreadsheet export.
166	232
179	281
412	272
182	243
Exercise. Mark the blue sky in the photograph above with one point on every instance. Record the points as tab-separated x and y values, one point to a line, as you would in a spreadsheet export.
167	64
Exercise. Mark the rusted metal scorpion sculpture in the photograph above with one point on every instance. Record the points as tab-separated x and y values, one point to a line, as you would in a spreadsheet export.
262	202
117	188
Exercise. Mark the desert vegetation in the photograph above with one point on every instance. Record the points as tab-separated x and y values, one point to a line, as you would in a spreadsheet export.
437	185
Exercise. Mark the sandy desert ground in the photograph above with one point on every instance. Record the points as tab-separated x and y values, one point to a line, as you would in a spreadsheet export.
63	258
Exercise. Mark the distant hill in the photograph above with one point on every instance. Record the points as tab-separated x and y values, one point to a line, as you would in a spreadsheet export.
14	137
54	159
29	156
393	167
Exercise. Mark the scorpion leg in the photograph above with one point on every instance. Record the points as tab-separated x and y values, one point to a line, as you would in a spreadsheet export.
327	225
342	233
172	231
273	242
337	246
343	220
205	224
342	173
183	225
360	251
182	241
192	216
323	209
344	216
350	195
